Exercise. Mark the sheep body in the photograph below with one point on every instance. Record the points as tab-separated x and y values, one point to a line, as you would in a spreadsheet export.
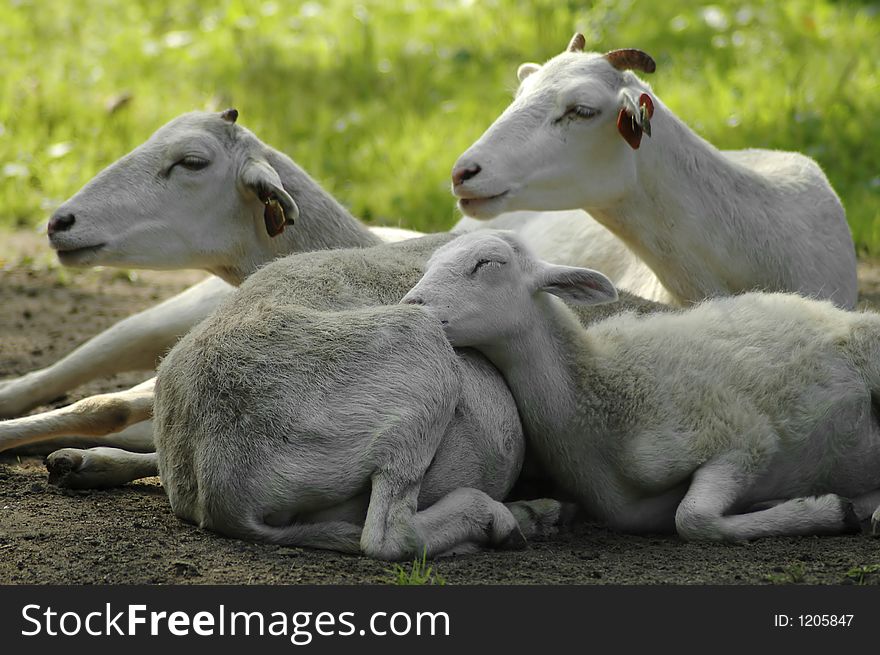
299	409
707	222
677	420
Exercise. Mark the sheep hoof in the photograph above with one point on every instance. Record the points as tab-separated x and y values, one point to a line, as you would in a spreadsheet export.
851	522
513	541
62	466
875	523
544	517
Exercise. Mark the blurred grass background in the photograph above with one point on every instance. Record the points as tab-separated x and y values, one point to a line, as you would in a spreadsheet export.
377	98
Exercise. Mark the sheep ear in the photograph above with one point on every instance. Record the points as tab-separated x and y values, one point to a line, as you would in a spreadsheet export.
279	209
635	118
581	286
527	69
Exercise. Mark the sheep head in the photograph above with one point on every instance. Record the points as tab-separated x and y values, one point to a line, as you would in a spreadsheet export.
197	194
481	287
568	139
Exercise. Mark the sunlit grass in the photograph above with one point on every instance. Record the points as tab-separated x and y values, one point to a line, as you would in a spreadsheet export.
419	573
377	98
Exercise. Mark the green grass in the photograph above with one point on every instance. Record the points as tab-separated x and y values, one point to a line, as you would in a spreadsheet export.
378	98
419	573
791	574
861	574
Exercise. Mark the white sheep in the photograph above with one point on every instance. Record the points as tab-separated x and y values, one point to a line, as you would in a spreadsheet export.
201	192
707	222
679	421
300	414
192	196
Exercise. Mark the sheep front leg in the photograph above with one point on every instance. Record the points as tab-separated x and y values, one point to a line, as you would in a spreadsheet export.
394	530
388	531
99	468
96	415
867	510
544	517
131	344
137	438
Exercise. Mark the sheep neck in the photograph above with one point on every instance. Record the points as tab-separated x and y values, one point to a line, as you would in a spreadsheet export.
323	223
547	365
688	212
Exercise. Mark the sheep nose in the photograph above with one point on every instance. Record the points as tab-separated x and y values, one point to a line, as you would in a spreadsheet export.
412	300
61	223
463	173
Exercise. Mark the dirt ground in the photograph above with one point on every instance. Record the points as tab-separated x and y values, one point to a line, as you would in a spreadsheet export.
129	536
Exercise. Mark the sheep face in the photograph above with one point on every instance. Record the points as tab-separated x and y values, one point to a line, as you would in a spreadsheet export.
191	196
481	286
558	145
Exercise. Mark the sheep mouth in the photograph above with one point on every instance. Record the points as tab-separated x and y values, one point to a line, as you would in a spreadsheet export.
474	205
75	255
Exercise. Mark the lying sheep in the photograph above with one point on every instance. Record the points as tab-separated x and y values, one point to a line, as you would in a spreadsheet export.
277	410
300	413
680	421
585	132
196	195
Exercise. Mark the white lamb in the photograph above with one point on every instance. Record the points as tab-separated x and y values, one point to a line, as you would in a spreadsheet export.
707	222
680	421
354	429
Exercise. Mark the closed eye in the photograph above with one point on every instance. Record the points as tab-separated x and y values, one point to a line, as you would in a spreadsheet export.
578	112
192	163
487	262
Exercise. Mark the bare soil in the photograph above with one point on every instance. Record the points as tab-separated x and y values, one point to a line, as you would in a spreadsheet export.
129	535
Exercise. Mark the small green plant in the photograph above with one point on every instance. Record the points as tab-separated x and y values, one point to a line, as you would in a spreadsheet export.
860	573
418	574
791	574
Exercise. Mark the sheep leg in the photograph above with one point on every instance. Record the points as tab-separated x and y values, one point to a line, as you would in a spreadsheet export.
341	536
131	344
96	415
865	504
714	490
99	468
867	510
544	517
137	438
462	518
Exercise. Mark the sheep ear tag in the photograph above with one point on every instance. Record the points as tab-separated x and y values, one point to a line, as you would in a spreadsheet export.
631	126
273	215
629	129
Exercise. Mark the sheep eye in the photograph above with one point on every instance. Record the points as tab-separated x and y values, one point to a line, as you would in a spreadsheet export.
576	112
486	262
193	163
